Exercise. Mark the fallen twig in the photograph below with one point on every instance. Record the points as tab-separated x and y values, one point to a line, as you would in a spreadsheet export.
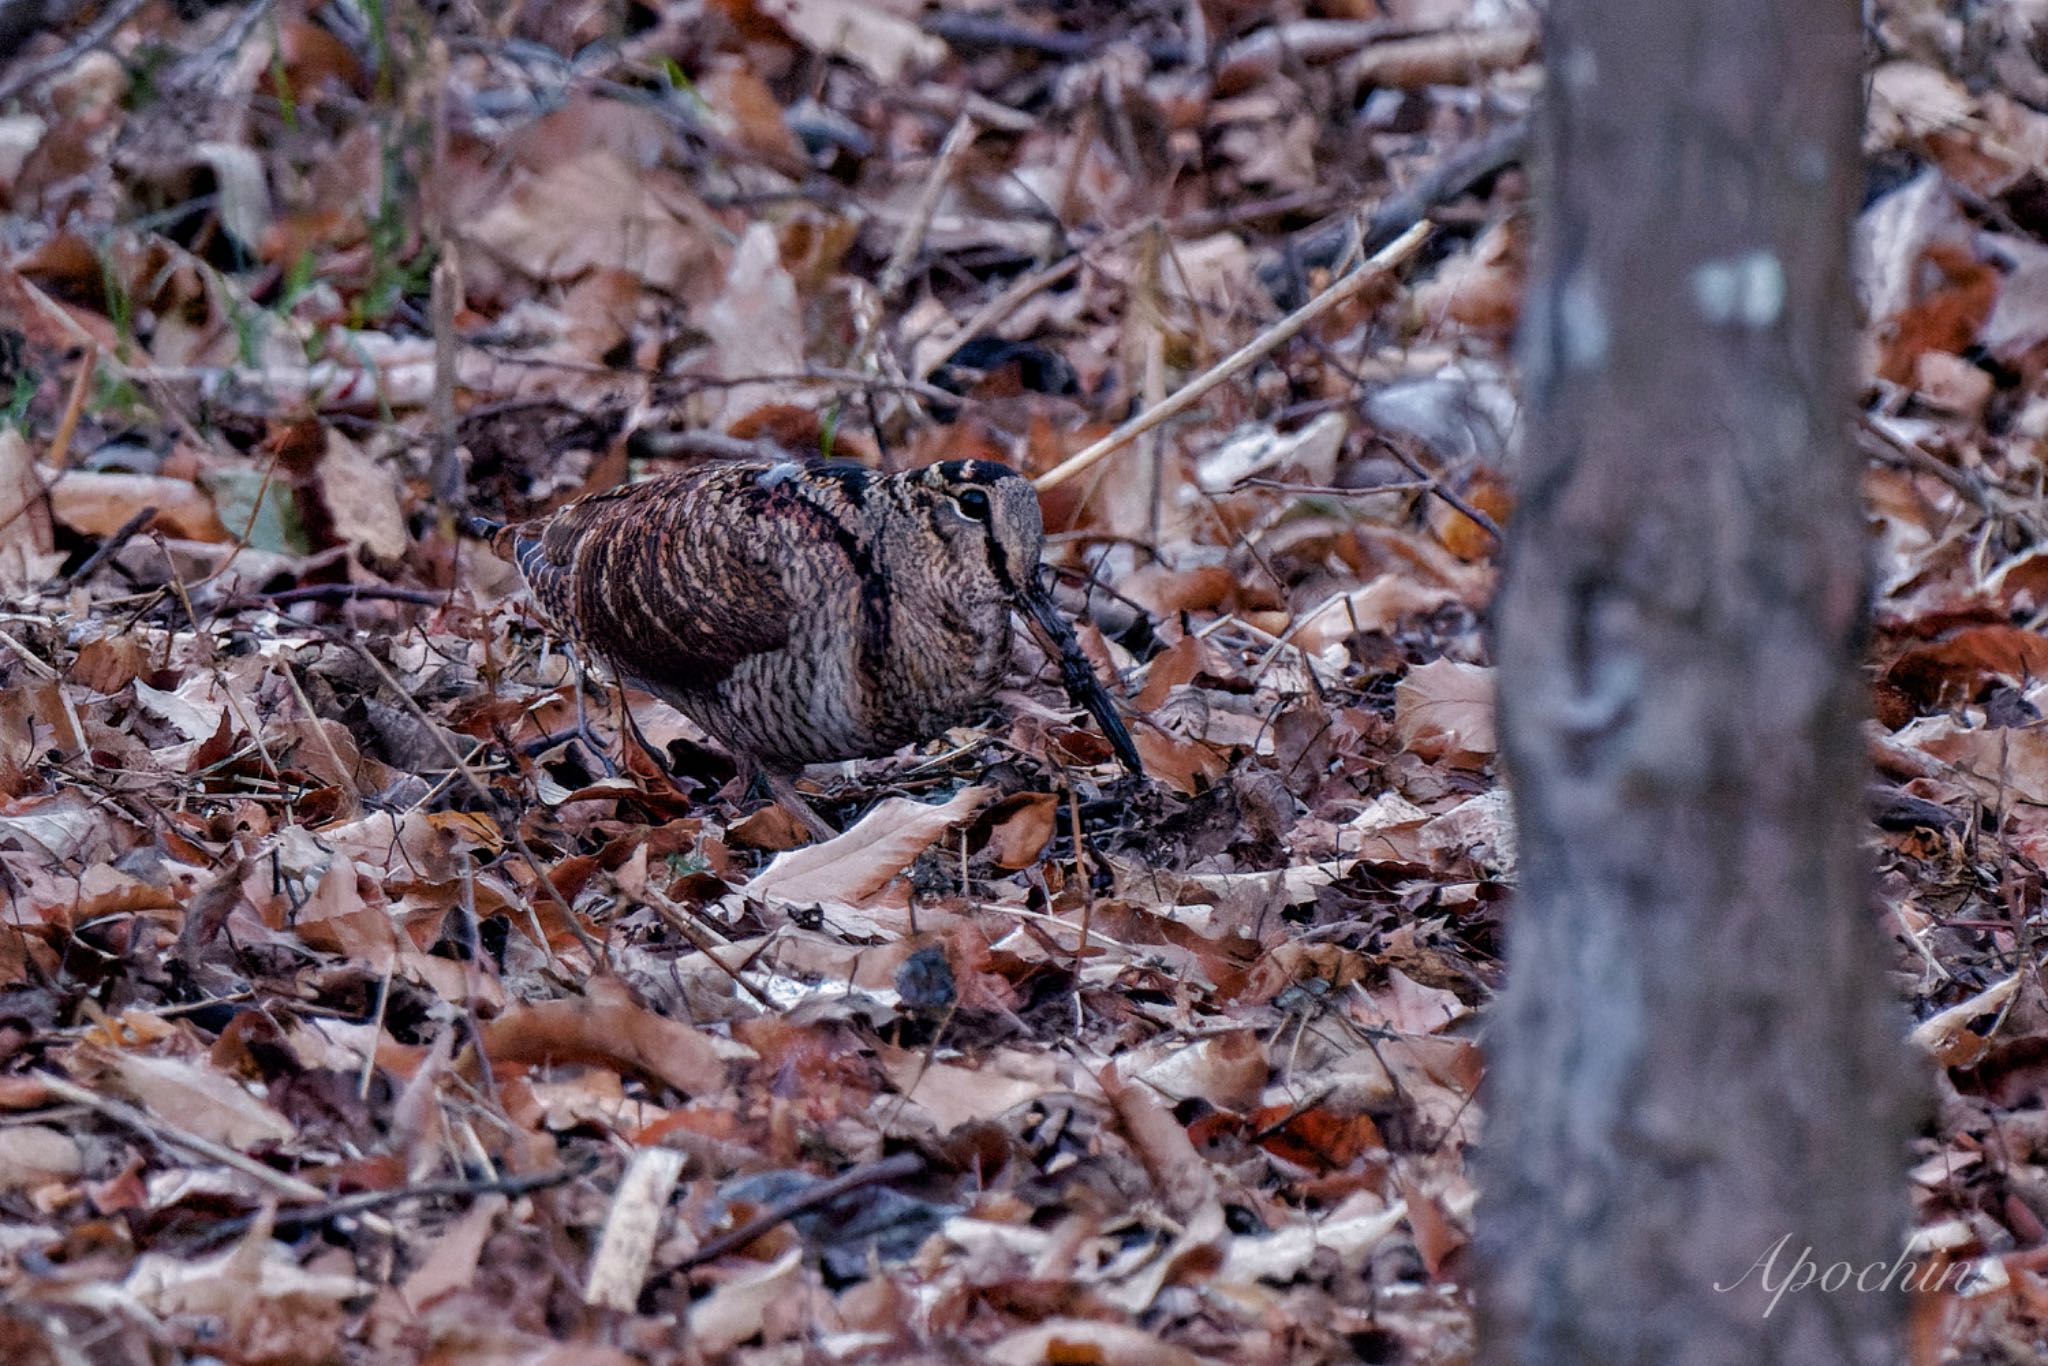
356	592
1435	487
362	1202
958	139
824	1193
123	534
162	1131
1251	353
1325	243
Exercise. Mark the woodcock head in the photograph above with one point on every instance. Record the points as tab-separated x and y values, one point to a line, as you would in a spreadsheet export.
987	516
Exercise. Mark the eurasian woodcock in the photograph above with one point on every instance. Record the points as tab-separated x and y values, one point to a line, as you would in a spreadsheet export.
801	613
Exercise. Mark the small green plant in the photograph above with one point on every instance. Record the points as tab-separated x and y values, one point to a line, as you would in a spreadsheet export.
281	78
15	414
248	331
144	64
298	279
681	864
380	40
118	400
394	275
828	430
120	304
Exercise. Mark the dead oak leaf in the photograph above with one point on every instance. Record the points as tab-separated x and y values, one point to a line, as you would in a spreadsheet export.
607	1028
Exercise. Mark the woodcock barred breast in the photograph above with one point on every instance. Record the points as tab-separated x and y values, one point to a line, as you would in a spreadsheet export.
801	613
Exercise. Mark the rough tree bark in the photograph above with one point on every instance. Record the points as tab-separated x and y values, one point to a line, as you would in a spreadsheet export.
1696	1062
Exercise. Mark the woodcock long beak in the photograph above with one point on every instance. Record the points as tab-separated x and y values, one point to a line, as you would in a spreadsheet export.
1056	637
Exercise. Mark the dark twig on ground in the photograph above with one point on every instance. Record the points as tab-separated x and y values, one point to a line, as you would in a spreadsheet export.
96	36
894	1168
123	534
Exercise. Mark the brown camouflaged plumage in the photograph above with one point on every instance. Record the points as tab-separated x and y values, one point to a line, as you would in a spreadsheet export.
805	613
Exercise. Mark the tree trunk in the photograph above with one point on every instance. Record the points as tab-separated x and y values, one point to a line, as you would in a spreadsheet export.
1696	1079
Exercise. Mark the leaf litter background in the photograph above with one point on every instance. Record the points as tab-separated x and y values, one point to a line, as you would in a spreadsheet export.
359	1006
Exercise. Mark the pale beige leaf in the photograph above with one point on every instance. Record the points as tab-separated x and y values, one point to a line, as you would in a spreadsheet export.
227	1285
1227	1070
954	1095
619	1267
734	1311
1088	1340
1481	828
1950	1034
194	709
1375	607
25	533
100	502
756	327
1408	1007
859	863
1350	1231
451	1261
590	212
35	1154
364	499
1312	451
199	1099
887	45
59	825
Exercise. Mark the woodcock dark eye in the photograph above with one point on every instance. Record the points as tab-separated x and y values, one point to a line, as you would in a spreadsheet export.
974	503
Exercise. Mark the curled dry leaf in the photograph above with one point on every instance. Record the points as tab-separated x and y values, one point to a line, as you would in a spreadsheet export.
606	1028
1951	1035
1439	1221
1458	57
1021	826
1350	1231
1182	1179
1084	1342
1227	1070
1956	669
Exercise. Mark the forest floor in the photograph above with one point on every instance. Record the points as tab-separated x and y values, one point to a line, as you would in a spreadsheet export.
354	1007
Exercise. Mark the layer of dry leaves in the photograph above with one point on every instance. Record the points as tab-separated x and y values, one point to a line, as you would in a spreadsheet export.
367	999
